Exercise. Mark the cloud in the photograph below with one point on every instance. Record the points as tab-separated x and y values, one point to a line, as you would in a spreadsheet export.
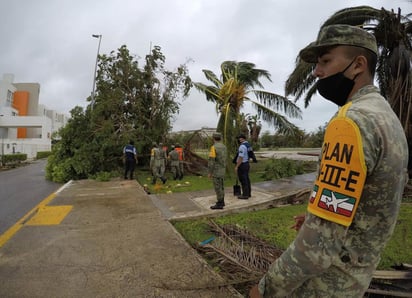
50	42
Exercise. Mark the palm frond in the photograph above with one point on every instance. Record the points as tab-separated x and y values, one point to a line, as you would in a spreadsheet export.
274	119
300	79
278	103
245	72
355	16
309	93
211	92
212	77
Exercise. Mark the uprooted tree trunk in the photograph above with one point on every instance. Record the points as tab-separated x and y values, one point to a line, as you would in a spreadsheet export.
194	163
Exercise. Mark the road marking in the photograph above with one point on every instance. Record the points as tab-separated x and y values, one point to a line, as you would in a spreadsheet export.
49	215
19	224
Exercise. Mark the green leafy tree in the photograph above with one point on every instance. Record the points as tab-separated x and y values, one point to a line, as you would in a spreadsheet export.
393	33
233	88
315	139
69	158
131	103
266	140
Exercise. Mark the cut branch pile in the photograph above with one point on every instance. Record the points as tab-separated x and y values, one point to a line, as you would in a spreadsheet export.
243	259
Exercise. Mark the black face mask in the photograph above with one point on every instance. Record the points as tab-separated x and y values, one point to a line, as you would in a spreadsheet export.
337	87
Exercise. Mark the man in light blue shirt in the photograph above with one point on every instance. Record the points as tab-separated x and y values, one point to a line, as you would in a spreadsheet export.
242	167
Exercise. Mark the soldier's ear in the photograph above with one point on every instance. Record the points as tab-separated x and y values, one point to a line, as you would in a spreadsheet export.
360	65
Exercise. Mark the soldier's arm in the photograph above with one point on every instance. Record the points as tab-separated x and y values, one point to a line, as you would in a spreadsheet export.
317	244
211	160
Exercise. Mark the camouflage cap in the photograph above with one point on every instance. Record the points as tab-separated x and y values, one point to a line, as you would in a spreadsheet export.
217	135
335	35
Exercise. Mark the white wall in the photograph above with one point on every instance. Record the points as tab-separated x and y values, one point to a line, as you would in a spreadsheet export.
42	122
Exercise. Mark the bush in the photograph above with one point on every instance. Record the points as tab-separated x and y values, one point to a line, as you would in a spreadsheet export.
43	154
14	158
281	168
59	172
104	176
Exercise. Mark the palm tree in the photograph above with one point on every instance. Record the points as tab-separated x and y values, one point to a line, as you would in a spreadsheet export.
231	91
393	34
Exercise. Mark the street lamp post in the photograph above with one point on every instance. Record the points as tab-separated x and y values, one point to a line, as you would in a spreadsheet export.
99	36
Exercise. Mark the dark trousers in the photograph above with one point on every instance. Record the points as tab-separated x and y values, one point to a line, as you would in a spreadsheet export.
129	167
243	175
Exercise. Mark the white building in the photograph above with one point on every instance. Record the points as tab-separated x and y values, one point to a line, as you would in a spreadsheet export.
25	125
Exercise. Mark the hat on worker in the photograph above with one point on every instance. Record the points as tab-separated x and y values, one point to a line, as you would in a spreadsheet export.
334	35
217	135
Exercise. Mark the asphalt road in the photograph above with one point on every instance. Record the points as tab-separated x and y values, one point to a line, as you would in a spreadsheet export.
21	189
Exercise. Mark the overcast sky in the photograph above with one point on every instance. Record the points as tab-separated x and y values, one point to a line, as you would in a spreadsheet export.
50	42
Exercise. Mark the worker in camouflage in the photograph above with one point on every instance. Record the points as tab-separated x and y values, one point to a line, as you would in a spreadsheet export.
356	197
152	154
217	169
159	162
181	153
173	158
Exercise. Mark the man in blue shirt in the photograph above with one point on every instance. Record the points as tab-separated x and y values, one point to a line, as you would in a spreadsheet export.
242	167
130	159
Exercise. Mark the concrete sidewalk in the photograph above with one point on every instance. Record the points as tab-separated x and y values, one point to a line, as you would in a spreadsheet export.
117	241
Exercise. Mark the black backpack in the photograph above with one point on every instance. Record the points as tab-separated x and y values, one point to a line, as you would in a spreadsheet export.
250	153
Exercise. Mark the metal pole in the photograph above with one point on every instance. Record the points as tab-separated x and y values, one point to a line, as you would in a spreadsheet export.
99	36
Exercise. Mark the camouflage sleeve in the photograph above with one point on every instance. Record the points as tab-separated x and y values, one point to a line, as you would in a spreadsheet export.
371	138
313	251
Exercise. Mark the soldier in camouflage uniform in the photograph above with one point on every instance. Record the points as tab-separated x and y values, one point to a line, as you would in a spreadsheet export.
152	154
173	158
163	157
356	196
217	169
158	164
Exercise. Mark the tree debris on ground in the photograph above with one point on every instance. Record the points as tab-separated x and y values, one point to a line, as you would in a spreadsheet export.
242	259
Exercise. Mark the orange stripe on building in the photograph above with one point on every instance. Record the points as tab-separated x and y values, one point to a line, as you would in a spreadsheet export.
21	103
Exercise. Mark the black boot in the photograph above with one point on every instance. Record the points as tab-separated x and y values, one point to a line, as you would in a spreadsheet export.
218	205
164	180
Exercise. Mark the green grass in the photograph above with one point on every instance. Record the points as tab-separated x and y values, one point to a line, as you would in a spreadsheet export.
202	182
271	225
399	248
